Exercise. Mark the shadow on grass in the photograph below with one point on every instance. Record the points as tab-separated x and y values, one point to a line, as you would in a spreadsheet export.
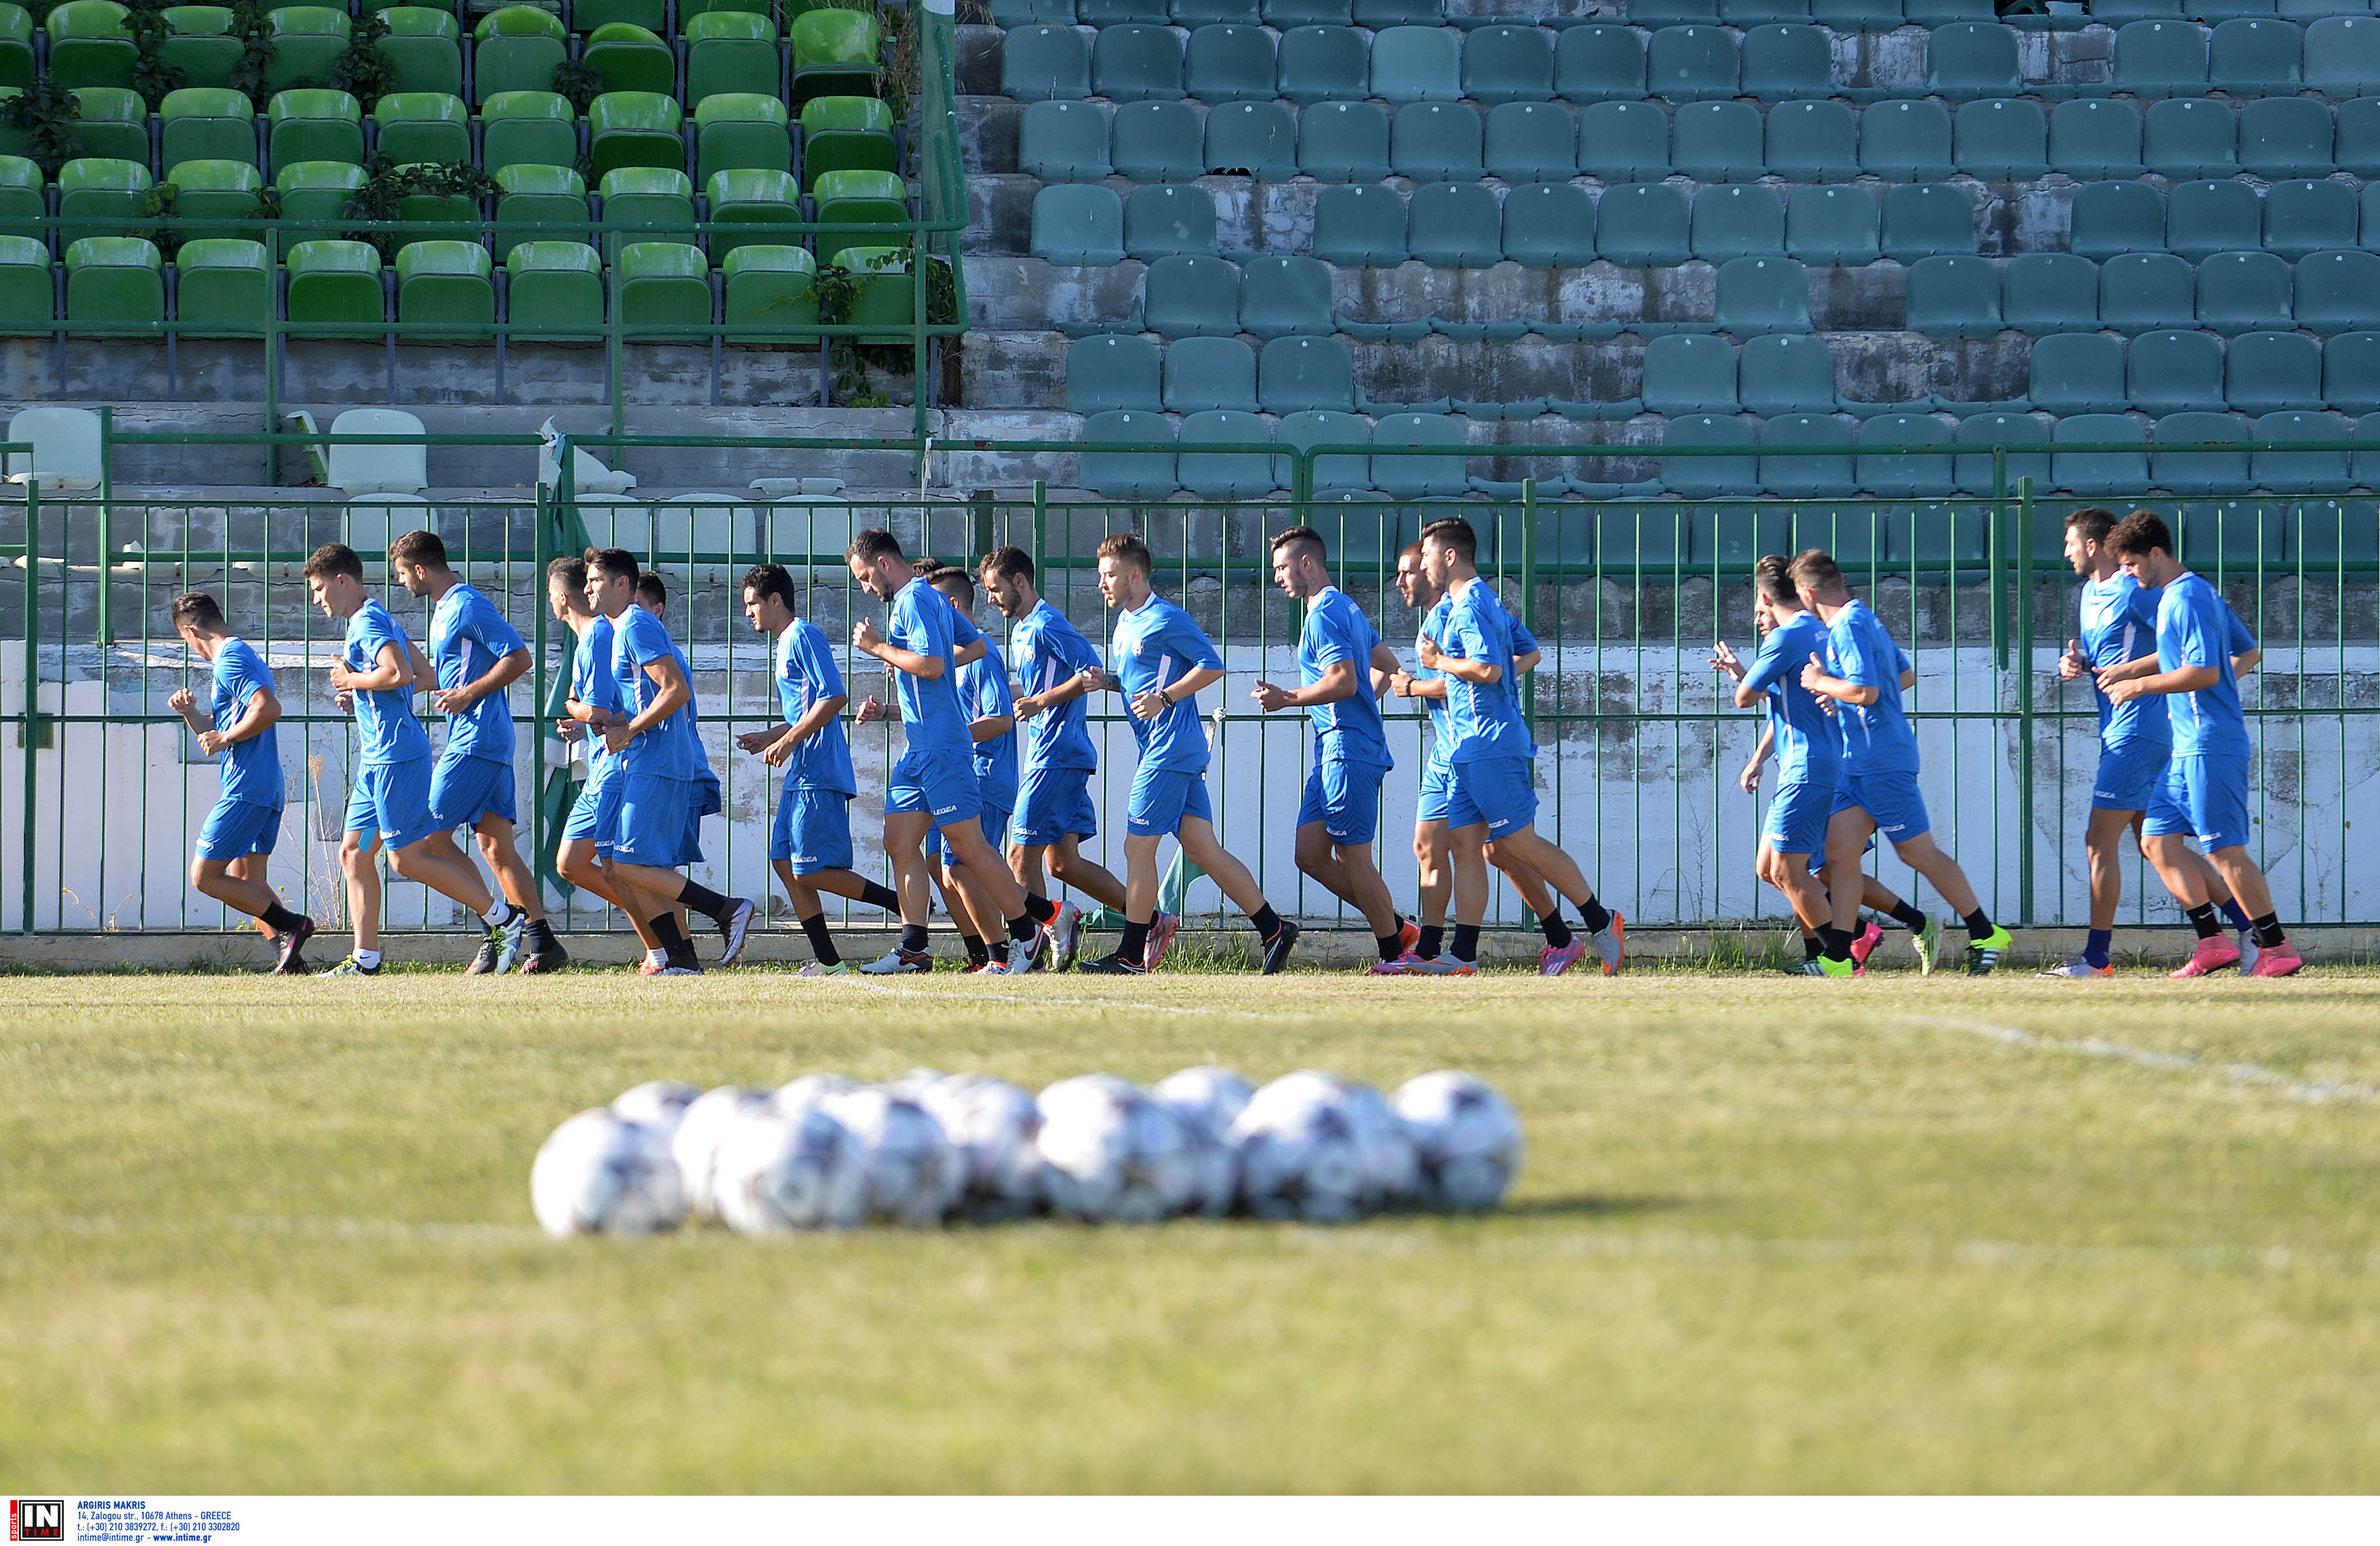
1589	1205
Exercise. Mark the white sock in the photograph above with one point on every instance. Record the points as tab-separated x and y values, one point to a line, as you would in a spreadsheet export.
367	957
495	916
657	957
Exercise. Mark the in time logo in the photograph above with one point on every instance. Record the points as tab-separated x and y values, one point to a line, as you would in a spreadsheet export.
37	1519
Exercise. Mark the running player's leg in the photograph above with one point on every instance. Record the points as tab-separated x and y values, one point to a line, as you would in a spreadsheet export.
1335	822
359	869
967	904
1847	834
575	860
1071	868
228	864
2214	793
1893	801
1434	865
1201	846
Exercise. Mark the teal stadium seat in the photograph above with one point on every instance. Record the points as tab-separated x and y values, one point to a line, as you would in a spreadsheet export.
663	284
2112	217
1806	476
424	47
2077	373
1787	373
1078	222
1063	141
2357	123
1813	141
1530	141
2350	372
2244	292
2160	59
1336	471
316	191
112	121
2191	137
2208	216
1136	63
1128	474
1971	59
1190	296
1455	225
650	202
2302	217
855	198
2002	139
835	53
2337	292
1783	61
2100	474
1210	374
103	187
115	280
1906	142
1225	474
1739	222
2095	136
1689	373
516	49
2286	137
1162	142
1716	141
2342	55
1857	16
1360	225
1299	374
1195	14
222	284
2173	369
730	52
1340	141
1417	64
1644	226
2273	372
1418	477
1432	141
2300	472
1042	64
1763	295
1691	64
745	131
1951	296
200	123
1831	227
2015	432
2140	292
1505	64
1711	477
2254	56
2197	472
1284	296
1893	474
2050	292
1166	219
1549	225
1113	372
1284	14
552	199
1252	138
1599	62
1622	141
337	285
1230	63
838	133
1324	63
526	127
215	191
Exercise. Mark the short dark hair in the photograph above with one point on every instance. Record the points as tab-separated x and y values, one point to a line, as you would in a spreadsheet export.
872	545
1817	568
616	562
1411	550
2138	532
1127	547
2093	522
422	548
650	588
769	580
952	580
1009	561
1303	538
1775	573
196	609
1455	533
570	571
334	558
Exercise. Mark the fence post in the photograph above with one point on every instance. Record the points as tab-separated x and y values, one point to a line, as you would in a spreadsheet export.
1529	588
106	524
1995	555
2024	518
1040	530
272	259
29	721
543	553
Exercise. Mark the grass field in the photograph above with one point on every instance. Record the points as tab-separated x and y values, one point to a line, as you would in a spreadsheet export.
1900	1235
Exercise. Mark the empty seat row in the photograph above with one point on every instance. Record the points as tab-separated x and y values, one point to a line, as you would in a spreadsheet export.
2173	371
1855	16
1713	141
2115	13
2144	292
2199	219
1193	375
1254	473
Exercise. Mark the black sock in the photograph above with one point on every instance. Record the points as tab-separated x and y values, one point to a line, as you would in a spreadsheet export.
1267	921
1021	927
2206	920
1810	947
1390	945
1041	909
540	935
1557	931
821	942
1979	923
280	920
975	949
1835	944
882	897
913	939
1593	915
2268	931
1433	940
702	899
1466	941
665	930
1134	947
1909	918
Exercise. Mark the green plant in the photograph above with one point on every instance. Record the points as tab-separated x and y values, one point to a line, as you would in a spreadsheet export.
363	71
151	75
45	113
577	82
158	202
386	186
253	26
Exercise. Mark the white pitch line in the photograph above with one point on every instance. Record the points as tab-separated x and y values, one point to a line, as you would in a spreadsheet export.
2320	1092
1088	1002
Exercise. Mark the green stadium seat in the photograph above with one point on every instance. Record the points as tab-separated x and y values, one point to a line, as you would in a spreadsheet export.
1324	63
2300	472
214	191
1419	477
1905	141
1298	374
2358	127
1077	223
744	131
1979	432
2077	373
313	126
1786	60
1623	141
1508	64
1206	375
1716	141
112	121
1162	142
2337	292
22	208
201	43
1417	64
1739	222
2210	216
1968	60
425	48
2158	59
1953	296
1707	476
316	191
2142	291
2254	56
1433	141
2287	137
1813	141
1763	295
857	198
689	9
423	127
1893	474
834	55
730	52
550	199
2197	472
1336	142
1927	220
114	279
650	201
1806	476
1252	138
1167	218
1549	225
588	15
1230	63
1833	226
1599	62
1225	474
1284	296
1360	225
201	123
90	44
526	127
2113	217
663	283
16	46
2244	292
445	281
337	283
633	58
1787	373
2002	138
2173	369
1691	64
1339	471
307	40
1056	142
1128	474
2191	137
2350	372
1112	373
1644	226
2095	136
635	129
1530	141
2302	217
555	288
2050	292
2342	55
28	300
768	287
516	49
1455	225
2273	372
2099	474
1689	373
103	187
222	283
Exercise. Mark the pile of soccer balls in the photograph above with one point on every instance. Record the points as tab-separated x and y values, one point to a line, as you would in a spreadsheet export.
824	1152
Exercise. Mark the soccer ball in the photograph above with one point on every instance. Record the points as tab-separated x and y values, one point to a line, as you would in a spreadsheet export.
914	1174
780	1171
1210	1100
1114	1153
658	1104
916	1082
993	1125
1391	1164
811	1090
595	1175
1466	1136
1302	1154
700	1130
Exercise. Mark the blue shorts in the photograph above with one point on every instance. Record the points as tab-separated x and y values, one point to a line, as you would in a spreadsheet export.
236	828
942	783
2130	775
463	790
1436	789
655	826
1798	817
1052	803
595	812
1345	797
392	799
2205	797
1491	790
1892	801
812	830
995	831
1163	798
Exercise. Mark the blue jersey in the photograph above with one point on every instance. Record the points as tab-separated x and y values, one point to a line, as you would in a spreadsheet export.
467	637
384	719
922	620
1484	719
1877	737
251	769
805	677
1153	649
983	693
1809	740
639	639
1348	730
2119	624
1433	626
2195	626
1049	651
687	721
591	681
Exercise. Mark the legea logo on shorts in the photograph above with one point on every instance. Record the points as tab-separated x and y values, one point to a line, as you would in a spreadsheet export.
37	1519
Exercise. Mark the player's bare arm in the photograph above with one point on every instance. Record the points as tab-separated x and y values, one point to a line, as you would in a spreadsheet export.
1478	673
868	641
504	674
1815	678
1155	702
675	694
393	670
1336	681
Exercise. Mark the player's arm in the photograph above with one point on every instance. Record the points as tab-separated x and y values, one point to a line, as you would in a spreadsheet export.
2193	645
1337	682
394	669
1384	665
1182	689
967	654
1749	780
2131	670
868	641
2246	661
259	713
990	727
1908	681
780	750
186	703
1405	683
675	694
1524	664
504	674
1478	673
1816	677
1063	693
